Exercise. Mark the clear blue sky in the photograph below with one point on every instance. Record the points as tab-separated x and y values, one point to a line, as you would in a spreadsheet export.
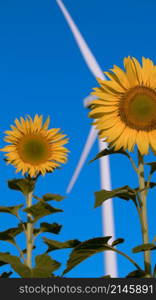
42	71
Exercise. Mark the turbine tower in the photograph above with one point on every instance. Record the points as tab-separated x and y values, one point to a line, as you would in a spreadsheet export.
107	207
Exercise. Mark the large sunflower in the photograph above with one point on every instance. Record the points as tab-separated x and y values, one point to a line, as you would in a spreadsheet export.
125	109
33	147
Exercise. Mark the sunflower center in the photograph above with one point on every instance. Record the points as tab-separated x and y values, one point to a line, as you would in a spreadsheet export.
34	149
138	108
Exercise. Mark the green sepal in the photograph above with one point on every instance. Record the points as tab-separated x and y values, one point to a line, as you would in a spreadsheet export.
24	185
41	209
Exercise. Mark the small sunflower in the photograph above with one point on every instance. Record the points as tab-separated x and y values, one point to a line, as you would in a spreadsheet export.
125	108
33	147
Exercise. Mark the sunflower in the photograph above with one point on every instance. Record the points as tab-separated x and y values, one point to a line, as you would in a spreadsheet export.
125	108
33	147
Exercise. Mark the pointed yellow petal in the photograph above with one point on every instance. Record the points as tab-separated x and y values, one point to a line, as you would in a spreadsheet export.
121	76
130	71
142	140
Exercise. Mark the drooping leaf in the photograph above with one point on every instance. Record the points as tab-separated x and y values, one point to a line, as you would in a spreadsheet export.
55	245
144	247
24	185
41	209
5	274
46	227
109	151
117	241
13	210
137	274
10	234
16	264
44	266
87	249
124	192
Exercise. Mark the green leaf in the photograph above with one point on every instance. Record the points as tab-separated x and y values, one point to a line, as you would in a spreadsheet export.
46	227
153	166
87	249
117	241
154	271
2	263
55	245
151	186
13	210
49	197
137	274
8	235
5	274
109	151
25	185
16	264
41	209
44	266
144	247
124	192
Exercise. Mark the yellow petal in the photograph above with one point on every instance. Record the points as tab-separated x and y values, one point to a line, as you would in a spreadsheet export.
147	65
114	83
131	140
121	76
130	71
152	139
142	140
122	140
138	70
112	133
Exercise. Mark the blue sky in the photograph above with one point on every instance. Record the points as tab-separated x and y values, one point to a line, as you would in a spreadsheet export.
42	71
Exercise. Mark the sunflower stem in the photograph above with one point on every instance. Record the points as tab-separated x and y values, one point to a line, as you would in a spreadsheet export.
29	232
143	212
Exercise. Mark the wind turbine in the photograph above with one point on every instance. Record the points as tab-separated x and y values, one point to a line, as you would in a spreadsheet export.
107	208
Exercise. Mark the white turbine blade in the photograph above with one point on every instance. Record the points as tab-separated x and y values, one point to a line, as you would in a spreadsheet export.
85	51
108	215
110	257
89	143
